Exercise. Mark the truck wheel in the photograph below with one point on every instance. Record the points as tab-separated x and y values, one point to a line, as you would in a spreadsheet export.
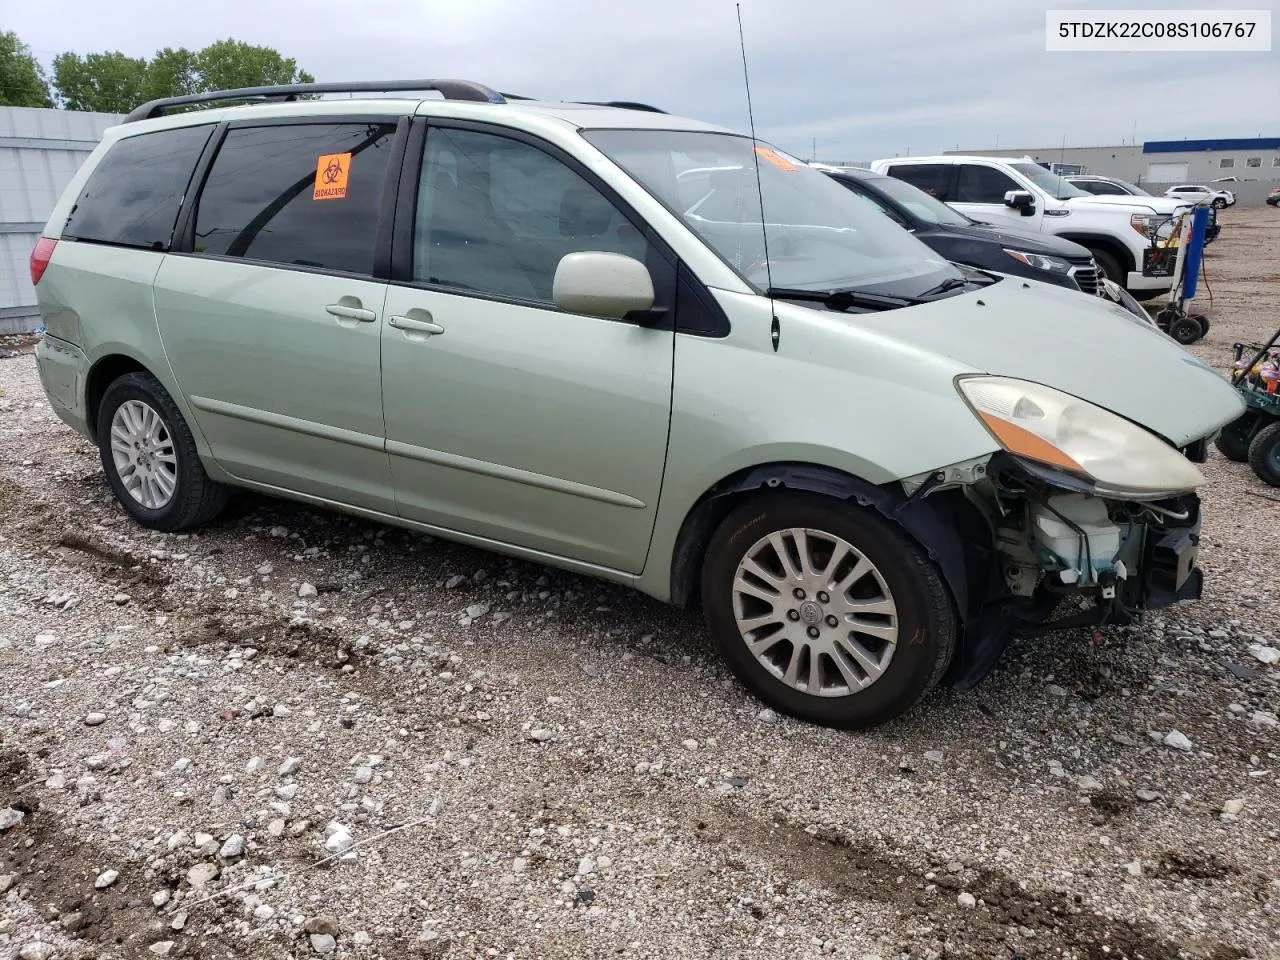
826	610
1264	454
1233	441
1109	266
150	457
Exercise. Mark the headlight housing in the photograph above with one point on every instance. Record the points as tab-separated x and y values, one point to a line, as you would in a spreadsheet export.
1046	425
1040	262
1144	223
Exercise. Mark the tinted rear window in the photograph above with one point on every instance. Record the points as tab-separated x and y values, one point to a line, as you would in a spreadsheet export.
929	177
262	200
133	195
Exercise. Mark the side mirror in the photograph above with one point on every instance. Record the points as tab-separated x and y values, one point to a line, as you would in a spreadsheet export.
601	284
1021	200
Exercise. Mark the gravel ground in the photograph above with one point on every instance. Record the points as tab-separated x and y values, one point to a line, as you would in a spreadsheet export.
297	734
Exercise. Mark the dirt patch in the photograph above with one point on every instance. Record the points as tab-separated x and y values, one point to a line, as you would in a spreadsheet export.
1008	920
1176	865
300	641
57	869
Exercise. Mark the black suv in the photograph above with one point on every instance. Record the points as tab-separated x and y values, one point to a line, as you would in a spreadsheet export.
1036	256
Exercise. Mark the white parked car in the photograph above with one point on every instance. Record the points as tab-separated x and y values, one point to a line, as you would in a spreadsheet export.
1199	194
1018	192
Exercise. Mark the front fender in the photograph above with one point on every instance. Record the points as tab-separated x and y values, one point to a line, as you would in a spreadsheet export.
836	395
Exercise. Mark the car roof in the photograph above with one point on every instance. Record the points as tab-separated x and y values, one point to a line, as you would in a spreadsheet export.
458	99
954	158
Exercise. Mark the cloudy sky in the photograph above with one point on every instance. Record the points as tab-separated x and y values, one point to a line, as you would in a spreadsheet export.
867	80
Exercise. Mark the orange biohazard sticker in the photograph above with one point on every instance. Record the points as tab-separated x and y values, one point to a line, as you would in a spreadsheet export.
332	171
773	157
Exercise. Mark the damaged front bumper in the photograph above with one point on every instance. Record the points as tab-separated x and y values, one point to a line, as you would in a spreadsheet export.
1050	553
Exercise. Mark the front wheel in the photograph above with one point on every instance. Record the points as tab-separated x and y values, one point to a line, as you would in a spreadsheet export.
150	457
825	610
1109	266
1264	454
1219	203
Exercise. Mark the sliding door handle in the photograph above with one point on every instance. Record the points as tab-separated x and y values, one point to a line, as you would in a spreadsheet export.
414	326
344	312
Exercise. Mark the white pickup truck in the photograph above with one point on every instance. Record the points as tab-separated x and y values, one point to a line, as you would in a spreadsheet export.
1015	192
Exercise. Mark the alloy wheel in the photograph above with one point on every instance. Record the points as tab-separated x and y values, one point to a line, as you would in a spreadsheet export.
815	612
143	453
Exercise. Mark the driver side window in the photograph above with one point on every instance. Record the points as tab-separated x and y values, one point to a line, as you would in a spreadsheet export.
496	216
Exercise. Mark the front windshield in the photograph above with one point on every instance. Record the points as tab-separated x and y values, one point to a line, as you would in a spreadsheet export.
1051	183
927	208
820	237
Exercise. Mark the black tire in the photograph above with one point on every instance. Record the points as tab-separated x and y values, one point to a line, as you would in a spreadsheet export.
1233	441
1264	454
1219	203
1185	330
1109	266
926	620
196	499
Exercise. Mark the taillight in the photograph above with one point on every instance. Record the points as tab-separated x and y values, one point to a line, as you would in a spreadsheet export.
40	258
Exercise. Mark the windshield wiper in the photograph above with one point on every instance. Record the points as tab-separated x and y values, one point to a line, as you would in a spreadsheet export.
841	299
946	286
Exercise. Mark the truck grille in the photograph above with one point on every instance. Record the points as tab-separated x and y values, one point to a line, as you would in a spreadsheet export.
1086	278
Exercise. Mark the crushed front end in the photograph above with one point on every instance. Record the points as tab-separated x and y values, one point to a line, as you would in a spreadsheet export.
1081	518
1044	551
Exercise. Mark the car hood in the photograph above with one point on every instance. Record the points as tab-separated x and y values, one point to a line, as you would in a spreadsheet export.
1083	346
1161	205
1045	244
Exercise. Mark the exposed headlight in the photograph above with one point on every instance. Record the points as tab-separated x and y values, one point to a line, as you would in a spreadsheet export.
1040	262
1144	223
1055	428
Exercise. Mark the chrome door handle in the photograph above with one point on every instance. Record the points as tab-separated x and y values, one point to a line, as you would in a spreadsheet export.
414	326
351	313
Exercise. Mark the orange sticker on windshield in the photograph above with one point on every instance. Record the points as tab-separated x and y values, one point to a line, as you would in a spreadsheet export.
332	171
773	157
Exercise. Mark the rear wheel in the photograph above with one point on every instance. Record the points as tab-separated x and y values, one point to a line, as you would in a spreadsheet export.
1219	203
1233	441
825	610
1264	454
150	457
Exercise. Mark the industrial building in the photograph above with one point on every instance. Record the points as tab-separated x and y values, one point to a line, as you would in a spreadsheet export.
1254	162
40	151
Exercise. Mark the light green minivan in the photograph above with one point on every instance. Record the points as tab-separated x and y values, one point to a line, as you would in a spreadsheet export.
634	346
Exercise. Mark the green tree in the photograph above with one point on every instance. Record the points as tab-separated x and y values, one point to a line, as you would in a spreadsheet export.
22	81
114	83
229	64
106	82
171	73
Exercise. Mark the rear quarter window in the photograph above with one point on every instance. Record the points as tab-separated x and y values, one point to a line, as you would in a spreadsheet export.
133	195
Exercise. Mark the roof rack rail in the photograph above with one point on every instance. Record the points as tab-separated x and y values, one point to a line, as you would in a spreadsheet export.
623	105
619	104
449	89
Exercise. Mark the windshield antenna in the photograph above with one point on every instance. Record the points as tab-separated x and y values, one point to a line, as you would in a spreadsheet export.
775	331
